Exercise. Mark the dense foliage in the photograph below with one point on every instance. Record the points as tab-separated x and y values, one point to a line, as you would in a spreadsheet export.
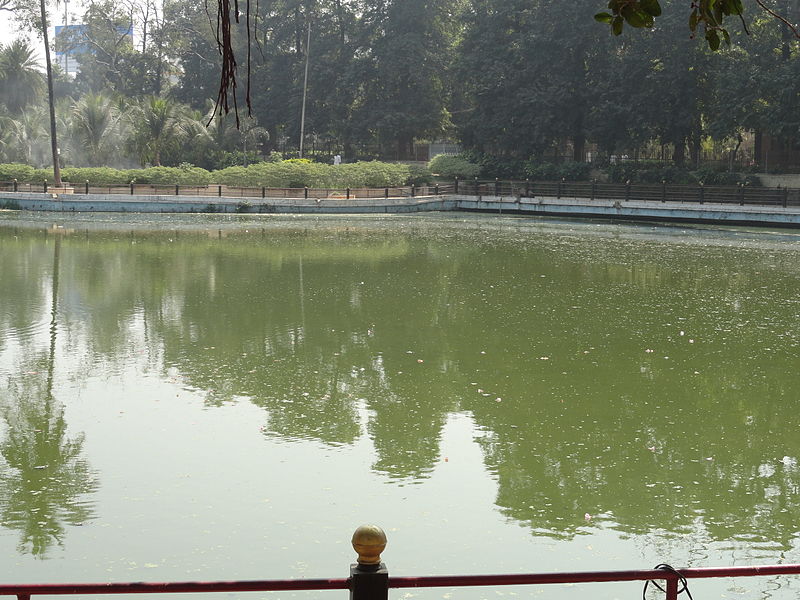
283	174
527	82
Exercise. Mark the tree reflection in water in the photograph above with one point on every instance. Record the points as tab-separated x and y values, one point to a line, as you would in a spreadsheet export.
42	477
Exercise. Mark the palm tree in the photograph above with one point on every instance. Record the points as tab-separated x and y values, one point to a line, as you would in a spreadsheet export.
21	81
95	121
26	137
155	123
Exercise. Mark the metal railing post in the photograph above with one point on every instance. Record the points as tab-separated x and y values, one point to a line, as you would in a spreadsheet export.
348	194
386	193
16	185
627	190
131	184
219	191
527	188
455	186
594	188
702	192
558	190
86	187
476	186
497	186
177	189
369	577
413	190
672	588
44	186
305	193
663	190
785	197
741	194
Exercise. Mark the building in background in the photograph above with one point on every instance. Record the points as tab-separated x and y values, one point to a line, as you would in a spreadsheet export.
71	42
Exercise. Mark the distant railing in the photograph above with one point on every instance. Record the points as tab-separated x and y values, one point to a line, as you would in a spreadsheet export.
369	578
584	190
633	192
228	191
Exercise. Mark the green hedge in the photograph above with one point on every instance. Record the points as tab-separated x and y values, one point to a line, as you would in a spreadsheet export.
288	173
297	173
22	173
451	166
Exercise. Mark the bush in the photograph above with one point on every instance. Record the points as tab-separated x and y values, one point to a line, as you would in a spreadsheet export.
183	175
570	171
451	166
297	173
95	175
12	171
419	175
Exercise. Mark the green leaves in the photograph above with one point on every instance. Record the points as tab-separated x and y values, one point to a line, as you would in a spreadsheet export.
642	14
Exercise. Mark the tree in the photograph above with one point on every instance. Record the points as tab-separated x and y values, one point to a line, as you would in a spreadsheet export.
710	15
21	81
157	122
95	124
405	58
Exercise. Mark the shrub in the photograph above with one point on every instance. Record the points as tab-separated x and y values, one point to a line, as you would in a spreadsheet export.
183	175
12	171
452	166
419	175
95	175
297	173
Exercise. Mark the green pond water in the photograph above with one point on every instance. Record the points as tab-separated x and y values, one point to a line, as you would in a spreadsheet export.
215	398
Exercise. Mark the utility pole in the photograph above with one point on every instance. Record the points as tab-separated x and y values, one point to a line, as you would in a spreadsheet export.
305	92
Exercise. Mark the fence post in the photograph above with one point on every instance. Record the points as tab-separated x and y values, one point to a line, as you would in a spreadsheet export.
558	191
528	188
413	190
672	588
348	193
386	193
702	192
455	186
131	184
497	186
436	190
627	190
305	193
16	185
785	197
177	189
45	186
219	191
663	190
741	194
594	187
369	577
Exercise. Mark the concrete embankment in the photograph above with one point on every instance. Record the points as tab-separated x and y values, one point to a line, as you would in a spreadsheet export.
721	213
69	203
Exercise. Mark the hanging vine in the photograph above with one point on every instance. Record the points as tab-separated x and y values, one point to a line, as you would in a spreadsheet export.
227	13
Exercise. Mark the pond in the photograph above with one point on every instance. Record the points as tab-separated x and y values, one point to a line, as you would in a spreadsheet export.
222	397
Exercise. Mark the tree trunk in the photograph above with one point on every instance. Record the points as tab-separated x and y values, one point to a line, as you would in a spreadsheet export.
50	97
679	153
758	147
579	148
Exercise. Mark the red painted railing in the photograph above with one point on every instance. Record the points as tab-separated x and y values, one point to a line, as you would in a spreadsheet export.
369	579
25	592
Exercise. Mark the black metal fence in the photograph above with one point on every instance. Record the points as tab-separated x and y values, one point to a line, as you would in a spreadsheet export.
585	190
661	192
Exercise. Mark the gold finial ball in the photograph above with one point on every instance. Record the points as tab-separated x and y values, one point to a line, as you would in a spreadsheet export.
369	541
